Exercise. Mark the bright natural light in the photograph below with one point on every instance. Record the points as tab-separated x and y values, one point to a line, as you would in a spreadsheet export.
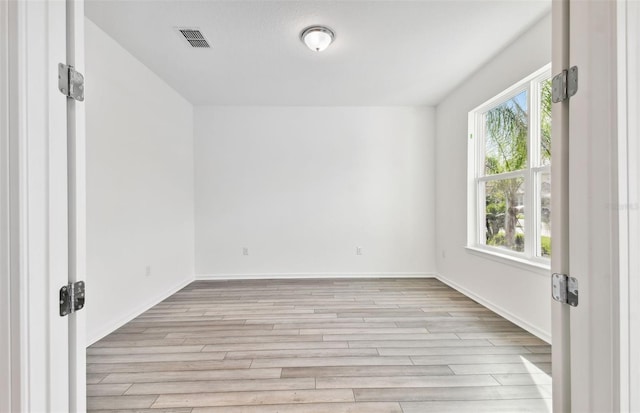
511	164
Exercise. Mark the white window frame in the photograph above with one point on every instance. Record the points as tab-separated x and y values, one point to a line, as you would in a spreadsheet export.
531	174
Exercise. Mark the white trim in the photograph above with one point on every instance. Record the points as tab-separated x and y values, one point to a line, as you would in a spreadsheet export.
37	162
502	176
477	178
146	305
301	276
628	26
5	250
543	335
560	313
593	218
515	90
108	329
623	215
56	244
312	275
495	254
633	108
76	180
20	397
293	276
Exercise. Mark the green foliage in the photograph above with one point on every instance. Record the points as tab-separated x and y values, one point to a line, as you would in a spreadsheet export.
497	240
495	212
519	242
507	129
546	246
506	139
502	212
545	121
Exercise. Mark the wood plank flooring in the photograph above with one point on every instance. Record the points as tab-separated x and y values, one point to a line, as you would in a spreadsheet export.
313	346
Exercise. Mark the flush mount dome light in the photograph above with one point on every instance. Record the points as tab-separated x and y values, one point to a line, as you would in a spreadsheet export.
317	38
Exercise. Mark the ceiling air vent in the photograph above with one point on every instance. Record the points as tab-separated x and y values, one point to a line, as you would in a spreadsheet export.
194	37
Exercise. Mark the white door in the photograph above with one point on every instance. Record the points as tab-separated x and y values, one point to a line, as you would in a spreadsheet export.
586	337
45	182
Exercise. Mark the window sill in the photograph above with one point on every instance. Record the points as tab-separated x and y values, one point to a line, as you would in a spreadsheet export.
521	263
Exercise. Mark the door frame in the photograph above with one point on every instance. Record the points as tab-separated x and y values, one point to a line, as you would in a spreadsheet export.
76	198
560	313
5	251
33	209
593	367
628	48
594	213
36	251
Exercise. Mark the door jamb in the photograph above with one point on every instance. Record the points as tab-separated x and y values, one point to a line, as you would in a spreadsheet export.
76	178
6	380
35	129
628	51
561	344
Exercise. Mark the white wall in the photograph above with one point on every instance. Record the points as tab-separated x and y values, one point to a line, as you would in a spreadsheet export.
302	187
139	186
519	293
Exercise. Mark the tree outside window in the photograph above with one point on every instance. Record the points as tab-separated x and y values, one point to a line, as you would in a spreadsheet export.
511	141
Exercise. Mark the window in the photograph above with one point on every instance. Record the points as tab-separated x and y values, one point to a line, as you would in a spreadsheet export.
510	171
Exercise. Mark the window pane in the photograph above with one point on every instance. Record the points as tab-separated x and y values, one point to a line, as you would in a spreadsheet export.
506	134
504	213
545	122
545	215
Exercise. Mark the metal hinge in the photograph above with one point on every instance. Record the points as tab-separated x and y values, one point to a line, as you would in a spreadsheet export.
70	82
564	289
71	298
564	85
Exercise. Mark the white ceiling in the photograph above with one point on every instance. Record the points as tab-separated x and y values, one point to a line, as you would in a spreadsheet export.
385	52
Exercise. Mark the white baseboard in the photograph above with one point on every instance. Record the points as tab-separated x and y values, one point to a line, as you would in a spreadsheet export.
311	275
543	335
113	326
108	329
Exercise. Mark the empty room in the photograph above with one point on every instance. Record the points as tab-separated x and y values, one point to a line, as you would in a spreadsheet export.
320	206
303	190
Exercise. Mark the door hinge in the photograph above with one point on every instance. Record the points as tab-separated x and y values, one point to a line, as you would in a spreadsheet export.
564	85
71	298
70	82
564	289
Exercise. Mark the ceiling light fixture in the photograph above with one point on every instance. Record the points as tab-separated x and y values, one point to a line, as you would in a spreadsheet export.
317	38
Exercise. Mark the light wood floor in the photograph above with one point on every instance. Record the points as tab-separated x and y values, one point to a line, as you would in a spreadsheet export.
313	346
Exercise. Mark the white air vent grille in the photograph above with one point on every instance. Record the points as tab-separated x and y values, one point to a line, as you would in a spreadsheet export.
194	37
